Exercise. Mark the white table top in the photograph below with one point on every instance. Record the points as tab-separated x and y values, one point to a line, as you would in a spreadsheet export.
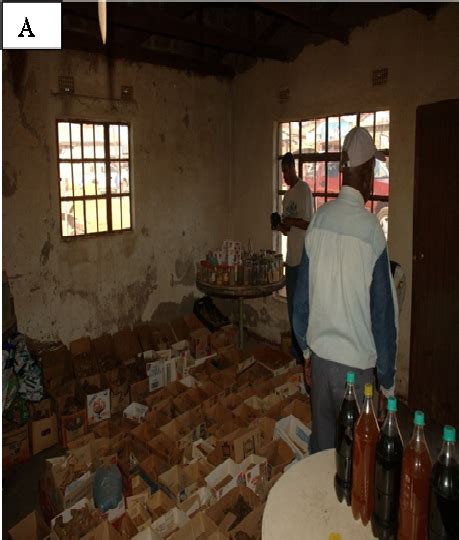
302	505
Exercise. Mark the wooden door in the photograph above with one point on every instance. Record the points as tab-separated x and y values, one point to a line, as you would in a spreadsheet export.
434	359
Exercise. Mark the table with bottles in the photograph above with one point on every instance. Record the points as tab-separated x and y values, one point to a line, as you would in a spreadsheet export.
303	504
370	485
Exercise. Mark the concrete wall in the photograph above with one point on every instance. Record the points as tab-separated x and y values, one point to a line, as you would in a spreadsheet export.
423	59
181	136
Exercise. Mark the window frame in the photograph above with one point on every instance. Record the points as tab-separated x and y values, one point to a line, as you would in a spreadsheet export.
107	160
326	157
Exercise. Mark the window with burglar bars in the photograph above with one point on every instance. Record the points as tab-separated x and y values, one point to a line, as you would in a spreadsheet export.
316	146
94	178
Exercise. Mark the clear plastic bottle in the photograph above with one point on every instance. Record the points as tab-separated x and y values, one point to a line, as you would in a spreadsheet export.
389	455
444	491
366	434
347	417
414	486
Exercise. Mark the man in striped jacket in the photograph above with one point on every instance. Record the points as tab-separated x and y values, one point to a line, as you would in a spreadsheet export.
345	309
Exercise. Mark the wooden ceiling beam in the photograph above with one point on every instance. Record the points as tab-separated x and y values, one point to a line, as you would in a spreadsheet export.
303	15
136	53
147	17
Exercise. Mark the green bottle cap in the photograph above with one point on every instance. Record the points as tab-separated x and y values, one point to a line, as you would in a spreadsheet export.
419	418
449	434
391	404
350	377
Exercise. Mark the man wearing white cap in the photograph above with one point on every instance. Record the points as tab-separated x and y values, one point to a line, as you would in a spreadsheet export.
345	309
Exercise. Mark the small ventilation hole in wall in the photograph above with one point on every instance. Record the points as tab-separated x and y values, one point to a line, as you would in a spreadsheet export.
380	76
127	92
284	95
66	84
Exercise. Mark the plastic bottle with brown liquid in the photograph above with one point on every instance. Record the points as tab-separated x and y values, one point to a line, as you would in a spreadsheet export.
366	435
414	486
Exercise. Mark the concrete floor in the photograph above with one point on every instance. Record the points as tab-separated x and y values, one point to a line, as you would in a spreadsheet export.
20	483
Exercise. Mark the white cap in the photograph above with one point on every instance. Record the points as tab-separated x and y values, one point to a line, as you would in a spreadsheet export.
358	148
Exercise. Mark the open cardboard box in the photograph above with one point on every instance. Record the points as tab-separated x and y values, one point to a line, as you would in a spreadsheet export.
198	527
156	397
221	430
135	412
279	455
251	524
126	345
105	353
202	498
238	445
60	496
159	504
179	433
32	527
144	336
274	360
199	342
224	478
246	412
139	390
162	336
152	467
295	434
15	445
56	365
300	409
266	426
178	482
251	467
83	357
227	504
94	392
165	449
198	470
71	425
170	522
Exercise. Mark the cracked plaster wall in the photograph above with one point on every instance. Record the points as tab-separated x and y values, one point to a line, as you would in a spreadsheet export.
422	57
180	128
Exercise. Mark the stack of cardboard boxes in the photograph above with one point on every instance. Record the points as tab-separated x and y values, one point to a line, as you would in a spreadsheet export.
194	425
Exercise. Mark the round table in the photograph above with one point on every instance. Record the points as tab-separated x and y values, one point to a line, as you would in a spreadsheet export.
303	505
240	292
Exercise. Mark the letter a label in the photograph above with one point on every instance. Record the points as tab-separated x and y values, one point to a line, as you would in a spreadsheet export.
26	28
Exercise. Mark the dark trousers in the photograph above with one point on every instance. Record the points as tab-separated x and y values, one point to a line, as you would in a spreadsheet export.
291	278
327	393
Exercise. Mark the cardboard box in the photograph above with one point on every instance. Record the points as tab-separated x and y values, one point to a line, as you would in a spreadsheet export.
227	503
57	366
251	467
248	413
199	342
59	495
239	444
274	360
170	522
15	445
139	390
159	504
198	471
156	397
162	336
201	498
138	513
224	478
135	412
147	534
155	374
251	525
198	527
266	426
180	434
126	345
144	336
83	358
120	397
105	353
300	409
32	527
71	425
67	515
165	449
43	434
152	467
279	455
178	482
295	434
94	391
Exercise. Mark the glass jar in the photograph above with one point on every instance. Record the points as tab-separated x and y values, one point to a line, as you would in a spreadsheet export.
219	276
225	273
